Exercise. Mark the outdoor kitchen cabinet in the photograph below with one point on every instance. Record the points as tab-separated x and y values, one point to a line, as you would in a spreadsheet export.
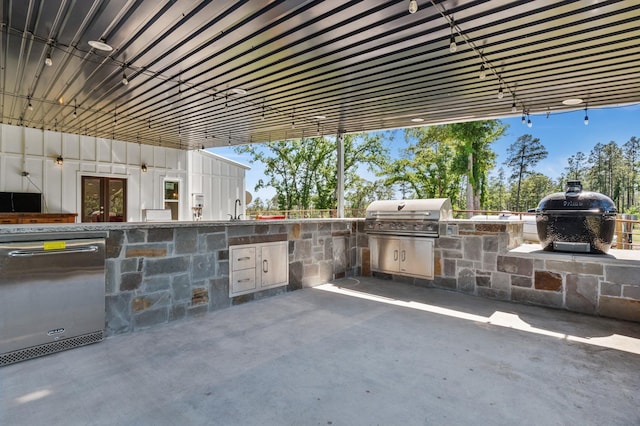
412	256
256	267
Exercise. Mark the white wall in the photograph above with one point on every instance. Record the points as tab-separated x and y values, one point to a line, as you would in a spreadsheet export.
35	151
222	181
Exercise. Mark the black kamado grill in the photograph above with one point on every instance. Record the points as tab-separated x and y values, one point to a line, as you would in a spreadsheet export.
576	220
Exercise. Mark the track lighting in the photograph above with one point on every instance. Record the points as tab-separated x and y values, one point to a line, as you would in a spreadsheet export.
48	62
483	72
586	117
125	80
413	6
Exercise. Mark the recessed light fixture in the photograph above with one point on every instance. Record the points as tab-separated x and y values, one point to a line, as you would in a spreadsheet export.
417	120
100	45
572	101
239	91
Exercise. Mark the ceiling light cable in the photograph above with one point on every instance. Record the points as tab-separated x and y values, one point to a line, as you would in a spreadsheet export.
413	6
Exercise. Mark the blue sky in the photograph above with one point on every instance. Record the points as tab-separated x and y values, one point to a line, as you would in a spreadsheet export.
562	134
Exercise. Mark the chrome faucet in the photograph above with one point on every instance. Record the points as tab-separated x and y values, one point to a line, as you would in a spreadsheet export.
236	216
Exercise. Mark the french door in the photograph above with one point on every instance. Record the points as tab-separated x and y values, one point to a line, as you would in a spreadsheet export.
104	199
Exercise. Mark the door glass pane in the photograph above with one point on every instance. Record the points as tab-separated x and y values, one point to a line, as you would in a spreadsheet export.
116	200
170	190
92	207
172	197
104	199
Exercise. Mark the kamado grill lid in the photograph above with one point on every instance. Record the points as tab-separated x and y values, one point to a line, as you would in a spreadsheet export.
576	201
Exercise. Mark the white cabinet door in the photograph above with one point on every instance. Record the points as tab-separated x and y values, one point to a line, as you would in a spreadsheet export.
274	264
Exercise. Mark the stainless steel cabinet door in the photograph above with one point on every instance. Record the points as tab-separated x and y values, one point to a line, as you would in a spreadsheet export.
385	253
274	264
416	257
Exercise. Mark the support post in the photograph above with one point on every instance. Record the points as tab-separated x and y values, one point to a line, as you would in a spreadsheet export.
340	180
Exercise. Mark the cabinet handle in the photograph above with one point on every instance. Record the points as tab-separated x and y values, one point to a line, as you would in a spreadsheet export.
244	280
395	255
265	266
244	258
404	255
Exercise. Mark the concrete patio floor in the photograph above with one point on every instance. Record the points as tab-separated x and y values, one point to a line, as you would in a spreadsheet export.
356	352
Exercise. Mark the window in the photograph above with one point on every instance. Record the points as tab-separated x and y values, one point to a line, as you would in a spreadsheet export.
172	197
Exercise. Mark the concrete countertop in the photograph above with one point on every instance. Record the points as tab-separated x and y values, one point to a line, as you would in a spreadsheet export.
535	250
108	226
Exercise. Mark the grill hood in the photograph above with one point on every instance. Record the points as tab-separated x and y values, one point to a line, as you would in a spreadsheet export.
576	221
432	209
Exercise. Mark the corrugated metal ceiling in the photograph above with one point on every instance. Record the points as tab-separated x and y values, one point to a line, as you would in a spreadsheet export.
213	73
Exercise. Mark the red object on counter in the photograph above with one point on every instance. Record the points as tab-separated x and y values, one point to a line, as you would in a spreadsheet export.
272	217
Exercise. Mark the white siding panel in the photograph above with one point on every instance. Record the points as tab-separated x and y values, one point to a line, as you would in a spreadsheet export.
34	141
159	157
52	187
119	152
12	179
103	168
88	149
52	144
71	146
119	170
69	182
133	154
104	150
88	167
12	139
146	156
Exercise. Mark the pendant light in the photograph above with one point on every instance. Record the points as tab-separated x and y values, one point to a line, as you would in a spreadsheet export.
453	47
413	6
586	116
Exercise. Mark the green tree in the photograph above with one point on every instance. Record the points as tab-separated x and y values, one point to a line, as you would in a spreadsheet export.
534	188
425	167
522	157
474	156
303	171
576	166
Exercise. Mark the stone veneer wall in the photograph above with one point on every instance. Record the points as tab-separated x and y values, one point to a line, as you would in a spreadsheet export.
477	258
161	273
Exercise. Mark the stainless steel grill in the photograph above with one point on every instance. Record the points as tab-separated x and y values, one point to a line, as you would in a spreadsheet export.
407	217
401	235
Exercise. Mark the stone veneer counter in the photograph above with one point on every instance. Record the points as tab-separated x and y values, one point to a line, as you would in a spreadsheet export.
601	284
161	272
